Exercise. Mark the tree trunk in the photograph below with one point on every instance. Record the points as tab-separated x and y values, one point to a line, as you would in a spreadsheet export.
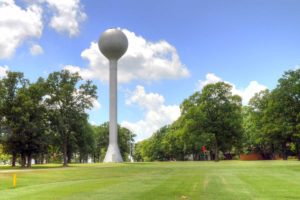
65	164
69	159
216	153
14	159
29	157
23	160
42	158
273	152
298	150
216	150
212	155
69	154
284	153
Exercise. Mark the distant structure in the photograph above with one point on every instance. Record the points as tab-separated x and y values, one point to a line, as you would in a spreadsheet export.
113	44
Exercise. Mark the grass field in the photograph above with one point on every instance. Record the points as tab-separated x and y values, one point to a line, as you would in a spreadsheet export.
161	180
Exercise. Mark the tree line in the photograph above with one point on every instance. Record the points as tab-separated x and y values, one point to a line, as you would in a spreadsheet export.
215	124
47	120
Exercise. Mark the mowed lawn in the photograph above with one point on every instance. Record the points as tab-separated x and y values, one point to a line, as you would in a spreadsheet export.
158	180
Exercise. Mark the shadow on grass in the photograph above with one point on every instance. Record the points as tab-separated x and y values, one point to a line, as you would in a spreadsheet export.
40	166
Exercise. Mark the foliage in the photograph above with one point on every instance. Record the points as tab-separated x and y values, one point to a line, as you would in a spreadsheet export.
271	121
66	106
47	120
11	114
42	119
125	141
4	158
211	118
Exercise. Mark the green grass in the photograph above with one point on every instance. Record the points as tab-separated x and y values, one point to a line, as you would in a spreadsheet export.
160	180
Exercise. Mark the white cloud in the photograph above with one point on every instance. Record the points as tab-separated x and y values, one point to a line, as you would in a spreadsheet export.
18	25
96	104
156	115
246	93
36	49
3	70
86	74
143	60
68	14
209	79
94	123
253	88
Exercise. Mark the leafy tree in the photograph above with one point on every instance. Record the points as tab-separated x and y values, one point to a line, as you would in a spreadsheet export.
221	116
174	143
85	141
152	148
67	103
125	141
4	158
137	153
31	124
257	134
101	141
284	111
189	126
211	118
10	85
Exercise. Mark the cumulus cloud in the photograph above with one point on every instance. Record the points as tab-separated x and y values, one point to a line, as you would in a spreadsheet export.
18	25
3	70
68	14
96	104
143	60
36	49
85	74
156	113
94	123
246	93
209	79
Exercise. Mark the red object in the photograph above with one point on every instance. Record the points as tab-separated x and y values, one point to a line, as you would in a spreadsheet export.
252	156
203	149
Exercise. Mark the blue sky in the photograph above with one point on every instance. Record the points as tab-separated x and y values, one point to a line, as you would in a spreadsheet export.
176	48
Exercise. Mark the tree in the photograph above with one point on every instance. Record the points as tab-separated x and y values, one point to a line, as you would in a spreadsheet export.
221	116
66	103
10	85
211	118
101	141
24	119
84	140
284	111
152	148
189	126
4	158
31	123
125	141
258	137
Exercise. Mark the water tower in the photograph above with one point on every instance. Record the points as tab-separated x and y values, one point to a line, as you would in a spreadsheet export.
113	44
